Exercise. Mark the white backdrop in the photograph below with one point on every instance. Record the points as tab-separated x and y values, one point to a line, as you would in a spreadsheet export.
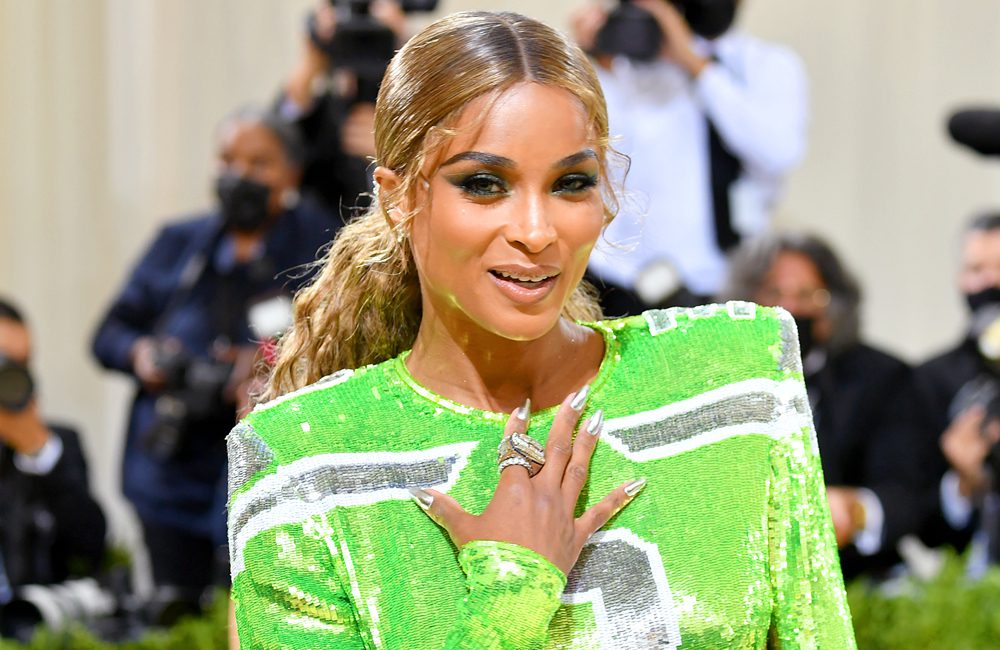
107	109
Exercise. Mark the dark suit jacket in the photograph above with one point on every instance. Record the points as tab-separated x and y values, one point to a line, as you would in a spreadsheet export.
51	528
865	425
938	382
157	301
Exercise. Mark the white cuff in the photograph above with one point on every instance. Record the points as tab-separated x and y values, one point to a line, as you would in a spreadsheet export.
41	462
957	509
868	540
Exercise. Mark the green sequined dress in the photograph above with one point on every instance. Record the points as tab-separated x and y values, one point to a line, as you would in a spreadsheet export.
729	546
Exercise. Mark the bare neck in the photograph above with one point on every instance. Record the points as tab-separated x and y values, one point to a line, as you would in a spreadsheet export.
492	373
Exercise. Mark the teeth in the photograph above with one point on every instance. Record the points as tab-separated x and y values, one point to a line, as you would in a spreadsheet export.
521	278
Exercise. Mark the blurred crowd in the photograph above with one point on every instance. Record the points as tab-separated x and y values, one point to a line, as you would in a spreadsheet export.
712	120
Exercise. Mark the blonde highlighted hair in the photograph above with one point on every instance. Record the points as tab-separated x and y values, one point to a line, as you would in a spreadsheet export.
364	305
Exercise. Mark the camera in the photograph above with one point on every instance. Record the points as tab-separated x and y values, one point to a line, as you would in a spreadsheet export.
633	32
362	44
984	389
16	385
55	606
193	398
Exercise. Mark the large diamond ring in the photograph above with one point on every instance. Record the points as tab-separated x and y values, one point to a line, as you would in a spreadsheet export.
521	449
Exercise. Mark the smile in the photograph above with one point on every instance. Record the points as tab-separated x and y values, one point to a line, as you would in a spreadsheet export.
525	285
522	277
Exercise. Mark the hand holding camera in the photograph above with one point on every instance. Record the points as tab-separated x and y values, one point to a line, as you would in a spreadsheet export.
23	430
644	30
966	444
146	353
676	35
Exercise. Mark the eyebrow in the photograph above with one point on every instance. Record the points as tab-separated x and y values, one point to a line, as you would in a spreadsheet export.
494	160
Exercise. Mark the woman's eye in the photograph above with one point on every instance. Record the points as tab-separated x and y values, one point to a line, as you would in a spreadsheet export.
483	185
575	183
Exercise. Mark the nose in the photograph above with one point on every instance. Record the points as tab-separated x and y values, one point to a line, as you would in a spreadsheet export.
531	226
235	167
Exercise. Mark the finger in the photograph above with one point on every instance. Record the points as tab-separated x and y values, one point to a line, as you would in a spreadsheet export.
442	509
575	476
516	423
598	514
973	416
993	431
559	447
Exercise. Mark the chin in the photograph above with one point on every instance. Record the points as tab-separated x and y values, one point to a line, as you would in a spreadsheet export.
523	327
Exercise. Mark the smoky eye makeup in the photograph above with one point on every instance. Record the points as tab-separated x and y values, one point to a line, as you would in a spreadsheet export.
575	183
479	184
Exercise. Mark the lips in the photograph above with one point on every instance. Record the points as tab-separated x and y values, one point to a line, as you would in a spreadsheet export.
525	284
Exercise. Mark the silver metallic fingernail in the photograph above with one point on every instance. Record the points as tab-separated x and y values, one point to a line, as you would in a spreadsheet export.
423	498
580	398
522	412
635	487
596	422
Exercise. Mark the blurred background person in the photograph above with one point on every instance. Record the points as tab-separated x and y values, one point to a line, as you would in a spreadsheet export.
51	528
959	392
185	325
861	397
713	120
330	93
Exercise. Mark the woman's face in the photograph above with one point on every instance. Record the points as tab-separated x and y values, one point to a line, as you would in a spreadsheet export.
509	214
795	283
252	150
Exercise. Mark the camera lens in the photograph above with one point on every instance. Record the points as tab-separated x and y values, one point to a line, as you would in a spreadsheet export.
631	31
16	386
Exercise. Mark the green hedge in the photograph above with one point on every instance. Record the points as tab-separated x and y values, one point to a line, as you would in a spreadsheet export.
206	633
950	613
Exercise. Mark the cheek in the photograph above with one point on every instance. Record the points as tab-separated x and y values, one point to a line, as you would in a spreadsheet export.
583	230
445	243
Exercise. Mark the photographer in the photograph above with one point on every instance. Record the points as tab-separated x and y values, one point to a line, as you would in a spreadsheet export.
330	94
960	395
861	397
51	528
712	119
181	327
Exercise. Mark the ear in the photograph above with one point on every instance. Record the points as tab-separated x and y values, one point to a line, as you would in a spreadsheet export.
386	182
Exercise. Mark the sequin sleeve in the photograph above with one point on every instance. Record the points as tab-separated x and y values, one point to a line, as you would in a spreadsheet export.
284	594
513	593
810	606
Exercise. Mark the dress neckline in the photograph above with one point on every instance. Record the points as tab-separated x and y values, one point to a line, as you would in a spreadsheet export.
608	363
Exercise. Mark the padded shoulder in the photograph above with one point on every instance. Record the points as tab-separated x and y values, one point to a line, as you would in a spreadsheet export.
726	323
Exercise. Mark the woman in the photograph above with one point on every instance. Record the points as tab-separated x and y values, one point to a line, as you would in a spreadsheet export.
460	291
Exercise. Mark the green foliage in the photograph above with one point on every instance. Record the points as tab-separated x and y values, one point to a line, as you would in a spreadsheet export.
952	612
206	633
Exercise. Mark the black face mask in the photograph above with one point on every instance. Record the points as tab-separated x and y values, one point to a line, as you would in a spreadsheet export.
807	338
709	18
243	202
977	301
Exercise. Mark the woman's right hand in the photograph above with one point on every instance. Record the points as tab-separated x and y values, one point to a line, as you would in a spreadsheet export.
537	512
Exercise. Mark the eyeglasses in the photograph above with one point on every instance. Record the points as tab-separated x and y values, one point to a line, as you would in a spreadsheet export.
776	296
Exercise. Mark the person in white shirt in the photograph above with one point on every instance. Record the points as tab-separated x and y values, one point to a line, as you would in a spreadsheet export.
707	77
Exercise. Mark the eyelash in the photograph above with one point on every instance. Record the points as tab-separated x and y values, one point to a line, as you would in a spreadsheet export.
487	185
482	185
575	183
